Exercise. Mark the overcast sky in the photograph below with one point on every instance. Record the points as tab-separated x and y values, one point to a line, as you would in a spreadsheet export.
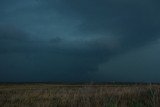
79	40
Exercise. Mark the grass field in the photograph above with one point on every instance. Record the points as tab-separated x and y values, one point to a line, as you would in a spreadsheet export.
49	95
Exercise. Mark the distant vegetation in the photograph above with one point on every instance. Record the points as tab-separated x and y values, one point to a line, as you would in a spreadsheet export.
49	95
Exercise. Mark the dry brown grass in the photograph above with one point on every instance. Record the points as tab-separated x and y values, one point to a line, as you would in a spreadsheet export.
48	95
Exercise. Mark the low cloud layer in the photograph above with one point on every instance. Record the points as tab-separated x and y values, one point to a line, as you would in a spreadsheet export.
68	40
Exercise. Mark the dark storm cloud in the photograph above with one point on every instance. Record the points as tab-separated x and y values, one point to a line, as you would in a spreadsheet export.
69	39
12	33
118	26
135	21
10	38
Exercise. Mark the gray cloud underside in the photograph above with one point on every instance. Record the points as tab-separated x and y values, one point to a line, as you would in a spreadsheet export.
102	29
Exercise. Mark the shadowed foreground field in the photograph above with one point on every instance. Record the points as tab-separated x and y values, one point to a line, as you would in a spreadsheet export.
48	95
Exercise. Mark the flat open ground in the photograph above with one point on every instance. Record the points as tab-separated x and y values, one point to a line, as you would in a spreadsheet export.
50	95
